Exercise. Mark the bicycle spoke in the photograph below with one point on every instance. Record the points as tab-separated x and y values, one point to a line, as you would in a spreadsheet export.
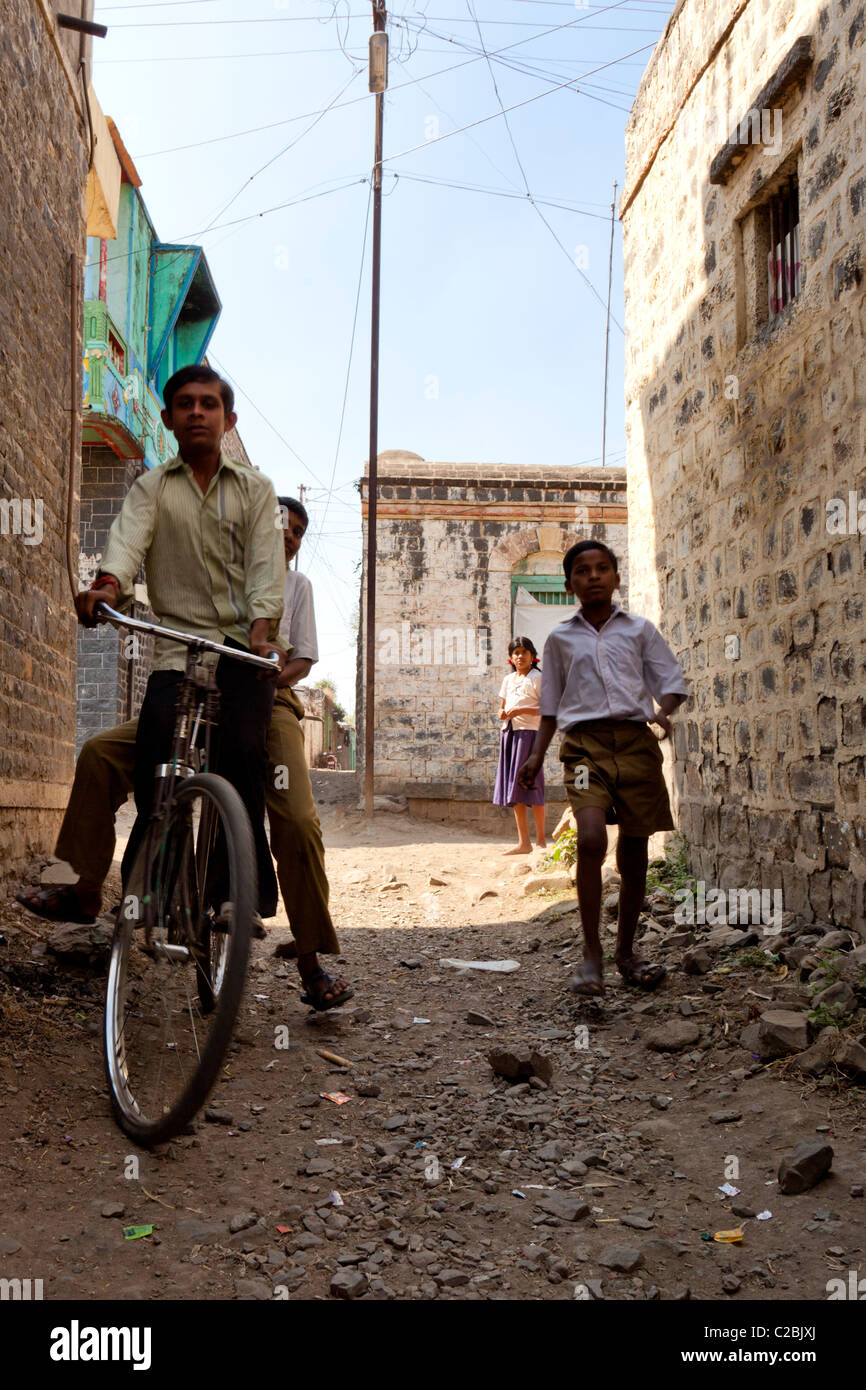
168	1011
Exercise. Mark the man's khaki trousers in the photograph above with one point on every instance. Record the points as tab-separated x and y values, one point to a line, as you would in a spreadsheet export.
103	781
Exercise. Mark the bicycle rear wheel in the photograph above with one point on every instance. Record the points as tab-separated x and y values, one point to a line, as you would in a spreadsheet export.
171	1002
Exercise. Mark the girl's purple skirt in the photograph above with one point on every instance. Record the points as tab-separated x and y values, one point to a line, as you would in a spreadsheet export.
514	749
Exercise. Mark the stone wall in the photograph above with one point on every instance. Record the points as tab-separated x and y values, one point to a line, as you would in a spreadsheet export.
742	428
113	667
43	172
450	537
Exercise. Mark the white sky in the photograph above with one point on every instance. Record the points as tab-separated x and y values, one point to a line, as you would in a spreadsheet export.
492	340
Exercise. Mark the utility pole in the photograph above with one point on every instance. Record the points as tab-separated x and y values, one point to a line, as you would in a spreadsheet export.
378	84
301	490
607	331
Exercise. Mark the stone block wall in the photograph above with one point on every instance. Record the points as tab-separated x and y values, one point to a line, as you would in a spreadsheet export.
42	222
113	667
449	537
745	433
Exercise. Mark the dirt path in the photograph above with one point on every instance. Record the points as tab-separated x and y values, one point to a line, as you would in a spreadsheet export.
454	1183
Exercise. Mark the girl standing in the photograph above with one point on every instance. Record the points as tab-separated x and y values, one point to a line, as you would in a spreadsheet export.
520	712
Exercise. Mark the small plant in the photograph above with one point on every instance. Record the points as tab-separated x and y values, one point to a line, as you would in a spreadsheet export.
564	850
827	1016
756	959
673	871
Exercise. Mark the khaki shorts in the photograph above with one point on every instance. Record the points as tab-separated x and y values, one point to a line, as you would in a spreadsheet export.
623	776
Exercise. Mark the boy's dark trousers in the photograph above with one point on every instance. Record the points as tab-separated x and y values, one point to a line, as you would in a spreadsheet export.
239	753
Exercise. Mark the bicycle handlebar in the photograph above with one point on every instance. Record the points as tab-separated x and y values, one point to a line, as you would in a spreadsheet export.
136	625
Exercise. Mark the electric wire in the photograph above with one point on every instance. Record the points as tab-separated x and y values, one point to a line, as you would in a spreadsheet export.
291	145
348	368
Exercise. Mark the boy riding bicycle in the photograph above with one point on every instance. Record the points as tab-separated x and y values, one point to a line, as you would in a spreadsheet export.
206	530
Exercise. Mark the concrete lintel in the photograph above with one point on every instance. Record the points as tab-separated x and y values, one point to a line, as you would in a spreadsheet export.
793	67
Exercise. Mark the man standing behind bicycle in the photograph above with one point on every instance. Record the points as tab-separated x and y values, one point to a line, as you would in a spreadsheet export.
208	534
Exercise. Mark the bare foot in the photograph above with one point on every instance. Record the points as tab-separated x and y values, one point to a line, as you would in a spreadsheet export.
541	844
521	849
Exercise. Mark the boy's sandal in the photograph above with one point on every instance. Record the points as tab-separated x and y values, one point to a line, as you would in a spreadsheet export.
60	904
318	985
587	983
643	974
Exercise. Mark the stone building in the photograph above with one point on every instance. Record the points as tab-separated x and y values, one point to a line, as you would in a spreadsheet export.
744	210
468	556
49	187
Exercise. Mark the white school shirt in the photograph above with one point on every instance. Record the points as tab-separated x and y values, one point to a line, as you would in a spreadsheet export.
521	692
611	673
298	623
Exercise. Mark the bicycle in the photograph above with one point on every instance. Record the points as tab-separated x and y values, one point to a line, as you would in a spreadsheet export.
182	934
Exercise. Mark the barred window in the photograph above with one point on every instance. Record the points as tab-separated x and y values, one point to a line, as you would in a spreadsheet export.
784	278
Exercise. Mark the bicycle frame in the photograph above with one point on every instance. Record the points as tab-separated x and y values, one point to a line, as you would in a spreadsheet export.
197	712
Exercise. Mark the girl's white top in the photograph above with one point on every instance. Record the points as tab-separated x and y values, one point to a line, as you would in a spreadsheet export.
523	692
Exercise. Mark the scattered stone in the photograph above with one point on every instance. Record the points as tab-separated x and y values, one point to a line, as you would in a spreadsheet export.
636	1221
546	883
413	962
623	1258
435	882
478	895
856	1189
252	1288
660	1102
199	1232
686	1008
307	1099
725	1117
838	995
697	961
836	941
781	1031
672	1036
520	1063
8	1246
480	1020
851	1058
742	1210
363	1087
242	1221
78	944
452	1278
817	1058
113	1209
555	1151
348	1283
730	1283
809	1163
565	1205
215	1116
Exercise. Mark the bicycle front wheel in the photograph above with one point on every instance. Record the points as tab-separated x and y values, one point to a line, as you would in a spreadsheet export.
174	992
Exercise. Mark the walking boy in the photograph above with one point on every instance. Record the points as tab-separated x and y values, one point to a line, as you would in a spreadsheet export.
601	670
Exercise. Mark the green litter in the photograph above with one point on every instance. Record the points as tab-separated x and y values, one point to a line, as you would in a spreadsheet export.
136	1232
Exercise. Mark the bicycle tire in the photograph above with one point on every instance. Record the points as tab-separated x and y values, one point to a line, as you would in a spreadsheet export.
148	1130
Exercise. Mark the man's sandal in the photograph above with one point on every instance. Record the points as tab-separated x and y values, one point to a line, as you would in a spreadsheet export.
318	985
60	904
587	982
643	974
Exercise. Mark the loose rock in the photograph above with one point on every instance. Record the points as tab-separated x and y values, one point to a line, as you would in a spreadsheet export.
809	1163
781	1031
672	1036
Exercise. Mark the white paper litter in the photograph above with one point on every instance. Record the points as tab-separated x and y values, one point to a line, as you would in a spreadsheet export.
501	967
